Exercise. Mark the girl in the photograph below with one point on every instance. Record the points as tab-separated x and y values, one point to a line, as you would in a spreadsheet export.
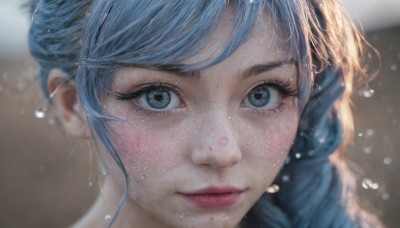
207	113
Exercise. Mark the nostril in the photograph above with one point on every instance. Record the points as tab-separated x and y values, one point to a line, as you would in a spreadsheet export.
223	141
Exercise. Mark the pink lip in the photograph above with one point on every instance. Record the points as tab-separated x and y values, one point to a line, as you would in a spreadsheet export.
214	197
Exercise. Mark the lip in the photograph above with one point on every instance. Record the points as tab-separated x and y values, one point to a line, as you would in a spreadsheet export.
214	197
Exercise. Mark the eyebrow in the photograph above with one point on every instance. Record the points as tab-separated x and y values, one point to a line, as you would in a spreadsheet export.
250	72
261	68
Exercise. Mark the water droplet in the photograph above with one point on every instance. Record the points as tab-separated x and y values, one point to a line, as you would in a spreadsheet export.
90	184
321	140
285	178
360	134
229	117
367	92
251	1
367	183
370	132
297	155
287	160
367	149
393	67
42	169
302	134
142	177
387	161
385	196
273	189
107	217
40	113
52	121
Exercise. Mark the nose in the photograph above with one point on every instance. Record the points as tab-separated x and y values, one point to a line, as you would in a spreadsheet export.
215	144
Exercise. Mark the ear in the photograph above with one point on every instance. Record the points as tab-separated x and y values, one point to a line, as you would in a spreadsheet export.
66	103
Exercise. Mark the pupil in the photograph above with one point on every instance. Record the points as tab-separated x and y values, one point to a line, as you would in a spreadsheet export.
159	99
258	96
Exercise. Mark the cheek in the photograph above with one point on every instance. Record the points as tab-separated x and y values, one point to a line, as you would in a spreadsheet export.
272	138
141	149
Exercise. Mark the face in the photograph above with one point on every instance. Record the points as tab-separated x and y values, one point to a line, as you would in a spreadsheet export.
200	150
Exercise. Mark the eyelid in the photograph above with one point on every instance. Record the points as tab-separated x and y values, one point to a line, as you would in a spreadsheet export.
130	95
283	87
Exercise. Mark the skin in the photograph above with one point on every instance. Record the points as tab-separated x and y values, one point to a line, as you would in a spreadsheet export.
211	137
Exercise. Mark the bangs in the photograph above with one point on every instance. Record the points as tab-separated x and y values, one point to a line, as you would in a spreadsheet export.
155	33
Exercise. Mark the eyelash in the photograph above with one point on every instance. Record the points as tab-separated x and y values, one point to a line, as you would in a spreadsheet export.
283	87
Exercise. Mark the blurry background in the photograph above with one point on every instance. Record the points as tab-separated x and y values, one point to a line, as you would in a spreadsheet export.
49	180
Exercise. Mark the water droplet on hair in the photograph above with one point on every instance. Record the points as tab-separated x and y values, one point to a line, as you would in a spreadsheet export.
321	140
367	92
360	134
251	1
287	160
285	178
302	134
297	155
387	161
273	189
393	67
107	217
40	113
367	183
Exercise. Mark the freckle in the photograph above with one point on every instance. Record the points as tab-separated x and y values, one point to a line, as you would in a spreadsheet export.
210	148
223	141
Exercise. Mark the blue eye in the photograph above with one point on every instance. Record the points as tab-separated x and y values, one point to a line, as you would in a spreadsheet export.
158	99
263	97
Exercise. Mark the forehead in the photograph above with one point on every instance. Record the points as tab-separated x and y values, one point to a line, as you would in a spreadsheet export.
267	42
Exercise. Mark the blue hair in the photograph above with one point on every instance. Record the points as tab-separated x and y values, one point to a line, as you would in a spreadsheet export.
91	39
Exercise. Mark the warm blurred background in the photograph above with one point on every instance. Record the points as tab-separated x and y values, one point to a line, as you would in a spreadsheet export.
49	180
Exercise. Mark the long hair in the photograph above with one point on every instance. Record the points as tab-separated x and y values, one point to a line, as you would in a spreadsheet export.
91	39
